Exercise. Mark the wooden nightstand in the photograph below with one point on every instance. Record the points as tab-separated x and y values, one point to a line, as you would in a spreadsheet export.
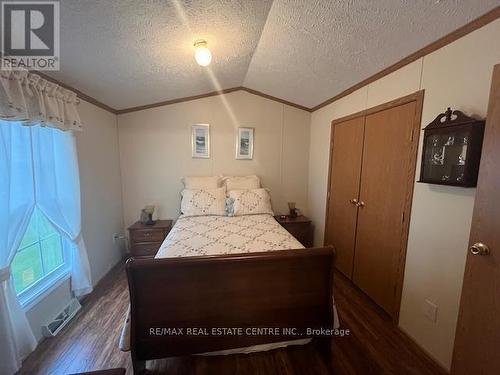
300	227
145	240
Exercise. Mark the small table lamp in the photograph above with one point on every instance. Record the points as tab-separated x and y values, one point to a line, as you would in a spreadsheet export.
149	210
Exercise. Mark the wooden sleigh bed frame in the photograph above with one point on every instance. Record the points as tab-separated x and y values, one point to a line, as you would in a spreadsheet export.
283	290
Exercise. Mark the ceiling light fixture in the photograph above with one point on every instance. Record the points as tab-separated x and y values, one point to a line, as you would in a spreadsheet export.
202	54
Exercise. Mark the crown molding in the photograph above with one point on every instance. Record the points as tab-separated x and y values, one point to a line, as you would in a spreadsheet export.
270	97
177	100
208	94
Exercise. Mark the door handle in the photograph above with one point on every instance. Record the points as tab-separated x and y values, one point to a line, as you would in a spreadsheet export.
479	248
354	201
361	204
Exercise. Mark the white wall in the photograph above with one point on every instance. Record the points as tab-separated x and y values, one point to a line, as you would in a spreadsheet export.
155	150
458	75
102	214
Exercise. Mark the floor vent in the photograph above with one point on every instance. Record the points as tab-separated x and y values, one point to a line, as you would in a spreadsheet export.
63	318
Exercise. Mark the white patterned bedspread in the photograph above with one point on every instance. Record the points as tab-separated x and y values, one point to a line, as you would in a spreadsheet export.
212	235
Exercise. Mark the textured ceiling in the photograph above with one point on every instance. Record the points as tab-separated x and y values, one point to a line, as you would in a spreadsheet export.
128	53
311	50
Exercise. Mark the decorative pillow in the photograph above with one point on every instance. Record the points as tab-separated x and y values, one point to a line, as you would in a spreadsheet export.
200	202
241	183
230	206
250	202
212	182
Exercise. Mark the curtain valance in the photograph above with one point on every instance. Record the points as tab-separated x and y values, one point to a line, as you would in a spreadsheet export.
33	100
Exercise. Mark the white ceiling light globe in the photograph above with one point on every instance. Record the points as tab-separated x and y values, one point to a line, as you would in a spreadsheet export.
202	54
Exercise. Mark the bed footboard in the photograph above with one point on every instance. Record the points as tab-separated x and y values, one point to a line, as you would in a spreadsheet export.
190	305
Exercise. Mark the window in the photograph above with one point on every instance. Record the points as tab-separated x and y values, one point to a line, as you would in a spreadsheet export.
40	259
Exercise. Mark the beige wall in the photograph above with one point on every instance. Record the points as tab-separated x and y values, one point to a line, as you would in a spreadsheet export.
458	76
102	214
155	150
100	180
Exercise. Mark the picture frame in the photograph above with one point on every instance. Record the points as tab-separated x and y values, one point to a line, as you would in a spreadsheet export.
244	143
200	141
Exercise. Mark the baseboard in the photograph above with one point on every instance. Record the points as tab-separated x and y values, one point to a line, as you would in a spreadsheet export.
429	356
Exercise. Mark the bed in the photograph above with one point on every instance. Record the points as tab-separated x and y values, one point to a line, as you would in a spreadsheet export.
223	285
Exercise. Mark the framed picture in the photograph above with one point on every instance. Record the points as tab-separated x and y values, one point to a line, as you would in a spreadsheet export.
200	141
244	143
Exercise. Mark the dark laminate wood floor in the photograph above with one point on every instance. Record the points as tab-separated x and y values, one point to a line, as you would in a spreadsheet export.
90	342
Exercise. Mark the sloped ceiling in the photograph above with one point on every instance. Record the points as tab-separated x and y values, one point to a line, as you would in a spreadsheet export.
128	53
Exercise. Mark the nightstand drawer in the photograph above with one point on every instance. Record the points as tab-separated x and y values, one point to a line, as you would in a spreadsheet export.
145	248
302	233
145	240
147	235
298	230
300	227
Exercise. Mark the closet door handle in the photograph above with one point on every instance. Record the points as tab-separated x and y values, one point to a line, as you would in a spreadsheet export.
354	201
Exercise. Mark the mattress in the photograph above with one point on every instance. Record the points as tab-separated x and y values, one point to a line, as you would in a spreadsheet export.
219	235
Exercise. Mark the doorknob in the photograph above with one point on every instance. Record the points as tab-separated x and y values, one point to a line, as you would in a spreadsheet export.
354	201
479	248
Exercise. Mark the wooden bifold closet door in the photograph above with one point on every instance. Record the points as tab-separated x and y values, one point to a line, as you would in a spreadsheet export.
371	177
347	148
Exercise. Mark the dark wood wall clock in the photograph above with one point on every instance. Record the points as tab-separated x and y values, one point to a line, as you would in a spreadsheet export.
452	150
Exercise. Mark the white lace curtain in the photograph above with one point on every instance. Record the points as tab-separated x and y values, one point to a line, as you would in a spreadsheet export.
38	166
33	100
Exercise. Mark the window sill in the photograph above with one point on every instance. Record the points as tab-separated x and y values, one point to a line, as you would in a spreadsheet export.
29	299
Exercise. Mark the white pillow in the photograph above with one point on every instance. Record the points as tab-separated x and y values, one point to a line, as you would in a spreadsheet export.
200	202
241	183
211	182
250	202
